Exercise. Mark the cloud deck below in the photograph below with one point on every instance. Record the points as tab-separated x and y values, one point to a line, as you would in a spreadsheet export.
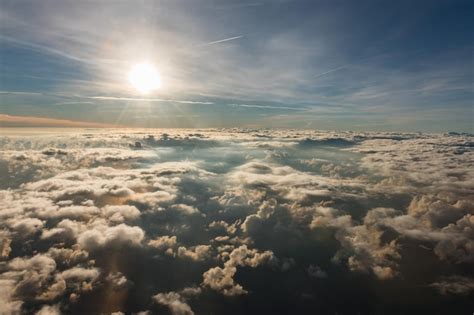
235	221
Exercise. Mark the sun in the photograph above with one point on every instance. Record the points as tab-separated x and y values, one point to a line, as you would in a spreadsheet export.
144	77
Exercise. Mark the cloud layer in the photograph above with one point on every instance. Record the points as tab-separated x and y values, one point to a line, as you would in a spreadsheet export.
235	221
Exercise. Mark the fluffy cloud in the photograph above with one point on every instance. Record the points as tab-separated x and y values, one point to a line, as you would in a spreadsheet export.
121	213
26	226
175	303
88	215
221	279
49	310
9	304
196	253
163	242
120	235
5	242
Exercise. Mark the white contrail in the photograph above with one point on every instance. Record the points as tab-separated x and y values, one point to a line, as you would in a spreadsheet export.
44	49
20	93
267	106
329	71
345	66
222	40
135	99
71	103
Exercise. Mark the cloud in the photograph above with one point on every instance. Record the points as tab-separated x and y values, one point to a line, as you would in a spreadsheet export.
221	279
5	242
316	272
175	303
29	279
9	304
454	285
120	213
49	310
163	242
118	280
367	252
68	256
267	107
84	214
120	235
222	40
185	209
135	99
30	121
200	252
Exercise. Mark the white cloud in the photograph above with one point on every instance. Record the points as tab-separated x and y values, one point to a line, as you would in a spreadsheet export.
120	235
221	279
121	213
175	302
225	200
49	310
5	242
163	242
197	253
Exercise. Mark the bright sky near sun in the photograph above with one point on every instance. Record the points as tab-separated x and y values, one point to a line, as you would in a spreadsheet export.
144	77
367	65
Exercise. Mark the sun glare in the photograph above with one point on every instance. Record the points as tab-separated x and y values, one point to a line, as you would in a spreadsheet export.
144	77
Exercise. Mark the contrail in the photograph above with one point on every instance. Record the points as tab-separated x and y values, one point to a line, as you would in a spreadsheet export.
135	99
267	107
71	103
329	71
222	40
44	49
346	65
19	93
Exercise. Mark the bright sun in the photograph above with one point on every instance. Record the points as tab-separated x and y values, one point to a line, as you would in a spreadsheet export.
144	77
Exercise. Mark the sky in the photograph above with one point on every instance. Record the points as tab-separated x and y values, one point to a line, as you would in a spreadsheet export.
338	65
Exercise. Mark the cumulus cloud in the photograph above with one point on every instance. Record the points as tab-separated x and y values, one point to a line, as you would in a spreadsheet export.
163	242
196	253
121	213
26	226
120	235
186	209
175	303
88	214
49	310
5	242
9	304
68	256
117	279
221	279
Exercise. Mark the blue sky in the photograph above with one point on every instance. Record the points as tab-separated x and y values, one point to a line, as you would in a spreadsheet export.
364	65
